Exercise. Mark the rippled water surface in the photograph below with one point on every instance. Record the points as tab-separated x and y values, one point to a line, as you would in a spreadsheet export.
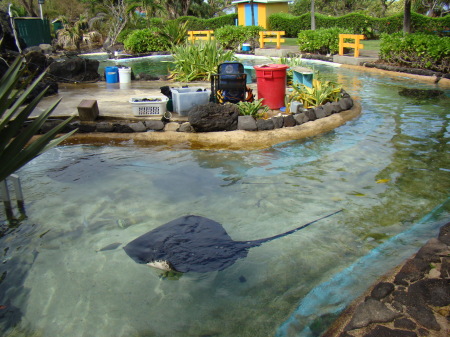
388	170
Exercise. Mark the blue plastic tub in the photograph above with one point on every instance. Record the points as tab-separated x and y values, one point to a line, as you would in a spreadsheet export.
112	74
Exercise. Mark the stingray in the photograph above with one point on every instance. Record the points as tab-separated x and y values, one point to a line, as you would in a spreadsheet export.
194	244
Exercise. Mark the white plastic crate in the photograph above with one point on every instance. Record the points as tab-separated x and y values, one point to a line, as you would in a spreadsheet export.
184	99
157	107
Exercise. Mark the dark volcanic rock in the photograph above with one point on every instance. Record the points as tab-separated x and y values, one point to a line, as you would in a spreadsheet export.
381	290
382	331
278	122
404	323
311	114
247	123
289	121
214	117
412	271
444	234
424	316
421	93
431	250
37	62
371	311
123	128
346	103
320	112
75	70
301	118
435	292
265	124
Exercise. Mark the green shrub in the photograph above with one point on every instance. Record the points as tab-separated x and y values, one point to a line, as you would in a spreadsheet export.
145	40
321	41
230	37
198	61
124	34
416	50
357	23
208	24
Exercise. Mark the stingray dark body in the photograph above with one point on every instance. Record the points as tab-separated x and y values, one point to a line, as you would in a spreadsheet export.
194	244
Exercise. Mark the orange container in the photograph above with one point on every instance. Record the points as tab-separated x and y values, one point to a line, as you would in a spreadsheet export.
271	82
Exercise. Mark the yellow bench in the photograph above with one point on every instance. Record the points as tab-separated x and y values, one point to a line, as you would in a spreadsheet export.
200	35
356	45
271	36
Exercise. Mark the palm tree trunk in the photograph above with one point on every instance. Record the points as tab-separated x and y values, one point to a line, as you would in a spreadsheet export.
313	16
253	12
407	17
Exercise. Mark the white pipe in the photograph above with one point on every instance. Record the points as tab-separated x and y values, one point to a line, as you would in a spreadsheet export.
13	26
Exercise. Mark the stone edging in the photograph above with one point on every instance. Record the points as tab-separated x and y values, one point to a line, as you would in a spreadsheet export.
229	140
411	301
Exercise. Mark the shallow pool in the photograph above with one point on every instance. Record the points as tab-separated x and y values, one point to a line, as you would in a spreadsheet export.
388	170
156	65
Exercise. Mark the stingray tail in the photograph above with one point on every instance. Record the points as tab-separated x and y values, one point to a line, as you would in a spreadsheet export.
261	241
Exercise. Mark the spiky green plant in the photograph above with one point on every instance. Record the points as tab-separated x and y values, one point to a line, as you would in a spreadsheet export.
174	32
16	145
255	108
320	93
198	61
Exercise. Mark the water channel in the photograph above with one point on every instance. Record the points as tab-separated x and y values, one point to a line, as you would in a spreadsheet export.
388	170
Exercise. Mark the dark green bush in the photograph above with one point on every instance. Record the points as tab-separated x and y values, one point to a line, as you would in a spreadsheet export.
322	41
145	40
357	23
230	37
417	50
208	24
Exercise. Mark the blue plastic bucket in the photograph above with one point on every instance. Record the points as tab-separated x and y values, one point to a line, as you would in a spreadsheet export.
112	74
246	47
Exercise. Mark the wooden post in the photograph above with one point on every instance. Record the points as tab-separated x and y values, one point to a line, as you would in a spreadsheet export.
88	110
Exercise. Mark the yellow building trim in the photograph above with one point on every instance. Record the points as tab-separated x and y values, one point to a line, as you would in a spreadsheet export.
262	16
241	14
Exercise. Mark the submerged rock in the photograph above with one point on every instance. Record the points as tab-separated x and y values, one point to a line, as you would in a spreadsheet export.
420	93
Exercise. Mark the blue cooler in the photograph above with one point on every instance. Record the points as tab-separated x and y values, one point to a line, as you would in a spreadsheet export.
112	74
246	47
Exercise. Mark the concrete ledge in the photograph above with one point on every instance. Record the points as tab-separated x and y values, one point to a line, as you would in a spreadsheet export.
272	52
353	60
231	140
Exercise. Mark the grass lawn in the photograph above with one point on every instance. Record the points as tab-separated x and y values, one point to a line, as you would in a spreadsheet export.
371	44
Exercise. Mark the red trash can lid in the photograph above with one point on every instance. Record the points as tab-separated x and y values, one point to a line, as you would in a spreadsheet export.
273	67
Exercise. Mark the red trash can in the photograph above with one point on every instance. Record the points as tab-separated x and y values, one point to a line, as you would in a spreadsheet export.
271	82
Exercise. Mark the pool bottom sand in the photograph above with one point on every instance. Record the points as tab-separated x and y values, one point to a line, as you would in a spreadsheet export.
411	300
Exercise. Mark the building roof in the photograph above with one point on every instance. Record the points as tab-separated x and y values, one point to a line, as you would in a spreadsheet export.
260	1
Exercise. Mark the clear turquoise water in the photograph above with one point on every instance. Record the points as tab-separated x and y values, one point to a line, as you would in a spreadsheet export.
388	170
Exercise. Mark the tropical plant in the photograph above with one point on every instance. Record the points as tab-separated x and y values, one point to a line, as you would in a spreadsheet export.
198	61
255	108
70	36
174	32
145	40
230	37
320	93
16	145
